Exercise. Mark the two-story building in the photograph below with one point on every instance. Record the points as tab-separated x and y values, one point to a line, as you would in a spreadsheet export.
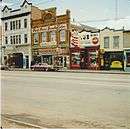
50	38
16	38
84	48
111	49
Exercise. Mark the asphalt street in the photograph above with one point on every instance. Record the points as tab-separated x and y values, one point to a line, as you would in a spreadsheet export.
58	99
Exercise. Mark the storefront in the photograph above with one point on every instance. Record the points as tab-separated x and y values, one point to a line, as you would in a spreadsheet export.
51	57
84	58
113	60
84	50
14	60
127	60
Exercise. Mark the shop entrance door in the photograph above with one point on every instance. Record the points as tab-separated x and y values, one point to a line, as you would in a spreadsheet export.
27	61
18	60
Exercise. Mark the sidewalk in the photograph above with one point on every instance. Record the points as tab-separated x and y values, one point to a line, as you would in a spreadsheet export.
97	71
82	71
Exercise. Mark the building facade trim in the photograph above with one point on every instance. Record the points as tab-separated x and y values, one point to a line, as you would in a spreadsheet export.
16	16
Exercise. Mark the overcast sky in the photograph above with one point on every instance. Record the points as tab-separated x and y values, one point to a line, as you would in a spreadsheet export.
87	11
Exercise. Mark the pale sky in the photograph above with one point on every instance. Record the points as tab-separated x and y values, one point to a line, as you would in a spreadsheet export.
86	11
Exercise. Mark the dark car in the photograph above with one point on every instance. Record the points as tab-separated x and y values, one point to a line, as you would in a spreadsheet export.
4	67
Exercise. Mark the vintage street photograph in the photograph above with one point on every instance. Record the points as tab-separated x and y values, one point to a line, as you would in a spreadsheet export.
65	64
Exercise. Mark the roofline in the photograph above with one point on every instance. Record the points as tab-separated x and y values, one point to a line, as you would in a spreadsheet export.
112	29
25	1
5	8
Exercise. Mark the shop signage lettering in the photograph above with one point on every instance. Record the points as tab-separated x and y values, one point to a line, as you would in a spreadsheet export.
75	39
50	28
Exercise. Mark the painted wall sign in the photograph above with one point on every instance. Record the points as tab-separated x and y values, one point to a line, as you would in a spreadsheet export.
74	39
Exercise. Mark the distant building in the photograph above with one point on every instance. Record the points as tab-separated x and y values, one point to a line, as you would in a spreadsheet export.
126	47
0	44
16	38
113	43
50	37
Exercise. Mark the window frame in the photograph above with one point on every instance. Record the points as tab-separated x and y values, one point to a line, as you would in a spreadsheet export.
115	43
11	25
25	38
25	23
11	39
6	26
108	43
14	27
6	40
62	39
19	39
52	34
45	37
34	42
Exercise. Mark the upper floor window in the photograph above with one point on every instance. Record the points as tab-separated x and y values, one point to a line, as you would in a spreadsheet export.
25	38
53	36
17	27
19	39
11	39
44	37
62	35
19	22
35	38
25	23
11	25
115	42
87	36
6	26
106	42
6	40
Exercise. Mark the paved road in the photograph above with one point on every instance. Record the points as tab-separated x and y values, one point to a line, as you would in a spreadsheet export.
67	99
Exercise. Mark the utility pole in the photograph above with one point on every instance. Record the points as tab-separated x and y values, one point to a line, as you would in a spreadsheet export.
116	9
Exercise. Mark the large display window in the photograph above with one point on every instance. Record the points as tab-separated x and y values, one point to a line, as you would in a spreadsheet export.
128	59
75	59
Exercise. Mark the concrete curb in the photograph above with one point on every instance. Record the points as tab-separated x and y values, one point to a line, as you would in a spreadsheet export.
98	72
77	71
24	123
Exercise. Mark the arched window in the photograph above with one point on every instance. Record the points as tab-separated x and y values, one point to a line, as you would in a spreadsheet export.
48	16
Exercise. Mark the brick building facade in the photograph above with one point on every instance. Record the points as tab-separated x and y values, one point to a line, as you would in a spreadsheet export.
50	37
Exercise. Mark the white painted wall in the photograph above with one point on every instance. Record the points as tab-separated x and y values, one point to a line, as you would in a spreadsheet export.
110	33
21	31
88	42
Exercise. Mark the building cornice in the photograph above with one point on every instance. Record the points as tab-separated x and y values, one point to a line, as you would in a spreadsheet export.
16	16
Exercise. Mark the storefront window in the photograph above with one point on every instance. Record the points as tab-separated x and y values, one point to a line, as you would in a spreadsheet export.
93	59
128	59
47	59
76	59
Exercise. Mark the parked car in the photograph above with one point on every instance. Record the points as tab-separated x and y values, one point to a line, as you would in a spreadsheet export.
42	67
45	67
4	67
